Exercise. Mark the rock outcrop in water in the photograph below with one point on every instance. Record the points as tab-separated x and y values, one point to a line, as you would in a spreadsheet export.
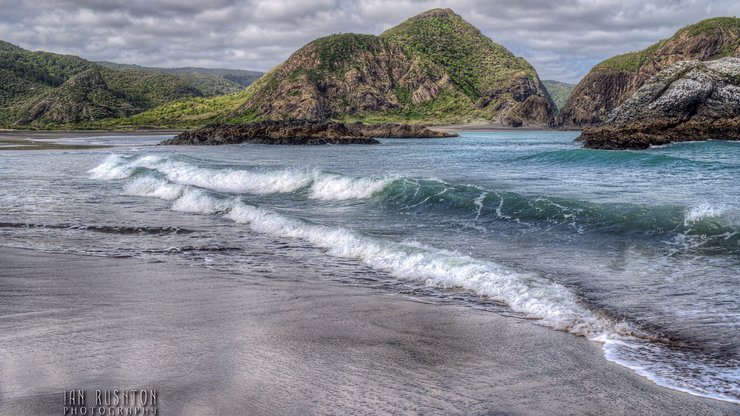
611	82
689	101
301	132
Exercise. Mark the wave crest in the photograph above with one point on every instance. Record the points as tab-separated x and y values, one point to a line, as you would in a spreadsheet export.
704	226
319	185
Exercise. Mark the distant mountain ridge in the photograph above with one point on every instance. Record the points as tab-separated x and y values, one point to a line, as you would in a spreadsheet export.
47	90
432	68
611	82
210	81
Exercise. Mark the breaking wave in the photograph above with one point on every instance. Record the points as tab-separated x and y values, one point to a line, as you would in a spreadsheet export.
319	185
705	226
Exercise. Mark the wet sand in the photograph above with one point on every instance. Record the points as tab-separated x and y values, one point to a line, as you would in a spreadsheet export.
45	139
218	343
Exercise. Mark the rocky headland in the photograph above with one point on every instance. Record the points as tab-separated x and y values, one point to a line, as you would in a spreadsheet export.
613	81
434	68
301	133
689	101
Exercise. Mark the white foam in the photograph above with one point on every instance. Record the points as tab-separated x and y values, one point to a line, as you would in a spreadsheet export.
113	167
479	203
332	187
672	369
320	185
701	212
185	199
236	181
199	202
153	187
523	292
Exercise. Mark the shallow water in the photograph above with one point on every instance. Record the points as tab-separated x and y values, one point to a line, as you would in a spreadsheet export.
636	249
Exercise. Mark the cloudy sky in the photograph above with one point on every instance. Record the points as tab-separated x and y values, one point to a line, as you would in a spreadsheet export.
562	39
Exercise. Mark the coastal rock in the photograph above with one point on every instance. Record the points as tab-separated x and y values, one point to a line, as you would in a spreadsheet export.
433	68
613	81
689	101
301	132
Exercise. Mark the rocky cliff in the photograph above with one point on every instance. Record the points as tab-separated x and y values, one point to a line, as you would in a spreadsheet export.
612	82
434	68
688	101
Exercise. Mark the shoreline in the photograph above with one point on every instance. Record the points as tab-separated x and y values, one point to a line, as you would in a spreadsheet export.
475	127
11	139
210	340
11	134
45	139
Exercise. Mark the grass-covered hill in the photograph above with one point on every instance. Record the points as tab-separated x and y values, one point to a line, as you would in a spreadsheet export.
559	91
432	68
209	81
48	90
613	81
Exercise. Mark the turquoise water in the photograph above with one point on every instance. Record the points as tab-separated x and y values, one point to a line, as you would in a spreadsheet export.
637	250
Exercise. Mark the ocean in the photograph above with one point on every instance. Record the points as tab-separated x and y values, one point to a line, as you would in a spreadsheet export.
638	251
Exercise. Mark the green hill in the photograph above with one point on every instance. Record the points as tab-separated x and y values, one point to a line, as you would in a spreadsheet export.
559	91
433	68
209	81
48	90
613	81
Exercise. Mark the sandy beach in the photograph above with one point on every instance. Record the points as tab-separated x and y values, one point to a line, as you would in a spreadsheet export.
50	139
221	343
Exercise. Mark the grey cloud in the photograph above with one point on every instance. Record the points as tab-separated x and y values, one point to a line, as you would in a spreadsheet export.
561	39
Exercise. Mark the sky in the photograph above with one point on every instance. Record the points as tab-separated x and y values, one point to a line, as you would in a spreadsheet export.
562	39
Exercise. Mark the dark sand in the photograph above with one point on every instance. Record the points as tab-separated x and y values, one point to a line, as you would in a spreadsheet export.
215	343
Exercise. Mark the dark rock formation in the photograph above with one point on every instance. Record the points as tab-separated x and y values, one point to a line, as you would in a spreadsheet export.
435	68
689	101
301	132
611	82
